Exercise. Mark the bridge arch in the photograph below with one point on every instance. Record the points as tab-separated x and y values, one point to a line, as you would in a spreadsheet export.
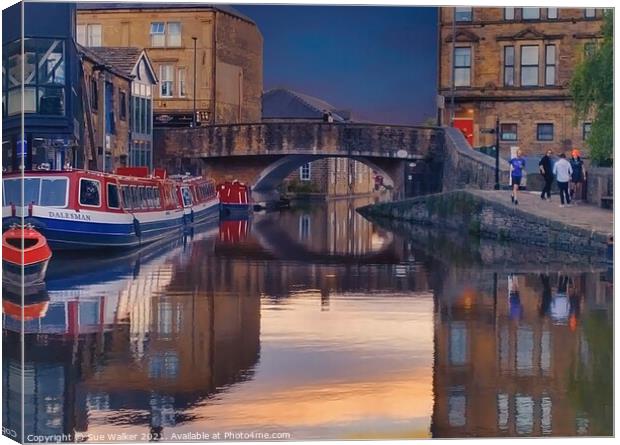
273	175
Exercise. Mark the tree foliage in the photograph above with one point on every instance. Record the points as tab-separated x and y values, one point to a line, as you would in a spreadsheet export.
592	90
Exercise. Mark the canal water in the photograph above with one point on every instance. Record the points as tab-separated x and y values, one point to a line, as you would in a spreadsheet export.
313	323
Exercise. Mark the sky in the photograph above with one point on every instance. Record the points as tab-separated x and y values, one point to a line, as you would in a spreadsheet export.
379	62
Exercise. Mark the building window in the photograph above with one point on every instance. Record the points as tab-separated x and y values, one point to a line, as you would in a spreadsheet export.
166	80
589	13
158	36
550	65
304	172
587	129
509	66
589	49
552	13
173	34
41	68
544	132
463	14
462	67
531	13
529	65
509	13
181	76
94	94
165	34
122	99
89	35
508	132
110	124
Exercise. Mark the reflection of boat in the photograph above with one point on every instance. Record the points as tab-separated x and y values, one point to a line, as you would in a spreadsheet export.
233	231
85	209
199	198
35	298
234	197
24	250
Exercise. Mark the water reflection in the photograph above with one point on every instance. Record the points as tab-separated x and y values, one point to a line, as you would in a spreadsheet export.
318	323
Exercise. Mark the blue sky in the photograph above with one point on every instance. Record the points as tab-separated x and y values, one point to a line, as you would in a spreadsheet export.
380	62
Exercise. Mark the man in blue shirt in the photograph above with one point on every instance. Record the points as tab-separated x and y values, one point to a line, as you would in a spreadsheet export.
518	166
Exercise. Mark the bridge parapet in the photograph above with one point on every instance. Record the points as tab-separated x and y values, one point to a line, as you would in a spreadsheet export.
316	138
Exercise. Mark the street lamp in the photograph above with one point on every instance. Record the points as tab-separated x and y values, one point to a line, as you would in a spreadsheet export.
194	94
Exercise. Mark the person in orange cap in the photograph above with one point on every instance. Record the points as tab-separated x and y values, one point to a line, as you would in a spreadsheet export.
578	176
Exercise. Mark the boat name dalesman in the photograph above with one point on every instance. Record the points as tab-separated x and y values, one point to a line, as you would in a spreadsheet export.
67	215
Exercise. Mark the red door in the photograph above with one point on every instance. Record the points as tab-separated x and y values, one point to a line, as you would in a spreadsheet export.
466	125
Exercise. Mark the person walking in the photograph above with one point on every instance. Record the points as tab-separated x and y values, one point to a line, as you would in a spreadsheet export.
578	176
518	165
545	166
563	171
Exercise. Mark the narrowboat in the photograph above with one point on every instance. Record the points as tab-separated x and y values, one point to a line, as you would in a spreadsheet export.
199	199
78	209
234	197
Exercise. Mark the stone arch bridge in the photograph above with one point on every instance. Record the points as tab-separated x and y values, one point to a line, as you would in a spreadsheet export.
263	154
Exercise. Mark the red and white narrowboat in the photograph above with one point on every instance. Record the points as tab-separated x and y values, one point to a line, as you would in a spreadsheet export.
235	197
77	209
199	199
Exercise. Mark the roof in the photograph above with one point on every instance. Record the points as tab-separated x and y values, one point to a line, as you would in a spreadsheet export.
153	5
282	103
98	59
120	60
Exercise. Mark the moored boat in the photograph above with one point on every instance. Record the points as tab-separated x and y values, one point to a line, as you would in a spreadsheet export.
234	197
25	253
77	209
199	199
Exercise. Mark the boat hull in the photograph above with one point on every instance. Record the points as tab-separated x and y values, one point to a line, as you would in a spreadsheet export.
69	230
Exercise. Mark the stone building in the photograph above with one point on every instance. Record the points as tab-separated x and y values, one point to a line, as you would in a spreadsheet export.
221	46
331	177
515	64
119	105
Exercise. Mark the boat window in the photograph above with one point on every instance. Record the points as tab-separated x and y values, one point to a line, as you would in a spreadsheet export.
133	193
141	197
32	188
11	192
113	199
187	197
90	192
53	192
125	196
157	198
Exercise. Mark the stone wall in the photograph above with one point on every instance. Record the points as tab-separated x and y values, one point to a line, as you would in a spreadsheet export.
464	167
600	183
468	212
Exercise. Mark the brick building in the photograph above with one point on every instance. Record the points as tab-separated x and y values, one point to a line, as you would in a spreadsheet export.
119	83
228	56
331	177
515	64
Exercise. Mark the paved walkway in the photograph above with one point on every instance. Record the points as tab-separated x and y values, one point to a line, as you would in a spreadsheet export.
582	215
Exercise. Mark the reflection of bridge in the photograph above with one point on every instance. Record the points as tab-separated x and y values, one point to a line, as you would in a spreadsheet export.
271	151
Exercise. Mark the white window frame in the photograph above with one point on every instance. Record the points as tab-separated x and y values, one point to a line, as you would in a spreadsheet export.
163	80
159	34
169	44
118	193
80	193
182	81
521	66
509	14
305	176
589	13
555	15
532	10
464	9
550	64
